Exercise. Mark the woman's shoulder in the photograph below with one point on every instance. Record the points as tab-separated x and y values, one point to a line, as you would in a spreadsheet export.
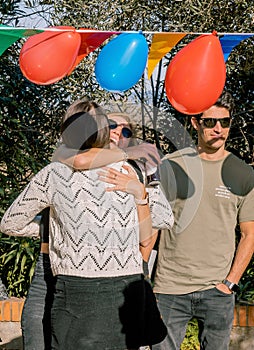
52	168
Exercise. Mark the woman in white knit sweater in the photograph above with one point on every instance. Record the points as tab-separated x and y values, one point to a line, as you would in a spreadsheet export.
94	238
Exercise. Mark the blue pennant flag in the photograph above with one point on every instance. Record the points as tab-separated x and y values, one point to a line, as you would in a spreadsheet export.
229	41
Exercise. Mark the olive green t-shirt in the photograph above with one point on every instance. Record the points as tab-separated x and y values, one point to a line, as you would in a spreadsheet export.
207	198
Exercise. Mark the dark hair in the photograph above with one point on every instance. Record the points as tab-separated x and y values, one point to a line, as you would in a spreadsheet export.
85	125
226	101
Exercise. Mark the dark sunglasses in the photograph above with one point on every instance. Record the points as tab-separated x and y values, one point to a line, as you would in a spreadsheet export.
211	122
126	132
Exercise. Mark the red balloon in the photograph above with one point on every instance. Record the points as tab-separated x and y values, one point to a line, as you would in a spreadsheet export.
196	75
47	57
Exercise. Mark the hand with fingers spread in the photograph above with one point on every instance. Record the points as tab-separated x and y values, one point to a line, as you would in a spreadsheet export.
123	181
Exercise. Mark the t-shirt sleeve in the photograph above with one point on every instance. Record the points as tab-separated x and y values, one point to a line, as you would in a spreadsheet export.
246	210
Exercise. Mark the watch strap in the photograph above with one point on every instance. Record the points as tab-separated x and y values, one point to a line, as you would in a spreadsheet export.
231	285
142	201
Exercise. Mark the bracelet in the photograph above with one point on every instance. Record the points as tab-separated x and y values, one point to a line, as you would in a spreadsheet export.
144	201
125	155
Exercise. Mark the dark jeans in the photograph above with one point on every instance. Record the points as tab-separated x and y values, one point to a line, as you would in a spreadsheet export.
36	315
85	313
213	309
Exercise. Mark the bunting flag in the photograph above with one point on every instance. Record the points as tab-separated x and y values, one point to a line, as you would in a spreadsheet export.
9	36
91	39
89	43
162	43
50	54
228	42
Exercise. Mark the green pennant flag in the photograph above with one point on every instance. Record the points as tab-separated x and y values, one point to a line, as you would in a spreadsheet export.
9	35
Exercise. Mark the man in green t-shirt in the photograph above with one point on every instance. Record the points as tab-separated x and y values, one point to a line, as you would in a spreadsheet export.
198	270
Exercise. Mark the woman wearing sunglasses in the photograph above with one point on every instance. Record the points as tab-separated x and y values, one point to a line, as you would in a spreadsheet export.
121	129
122	135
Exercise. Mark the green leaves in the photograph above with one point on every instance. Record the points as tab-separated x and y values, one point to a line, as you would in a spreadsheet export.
246	285
191	341
17	262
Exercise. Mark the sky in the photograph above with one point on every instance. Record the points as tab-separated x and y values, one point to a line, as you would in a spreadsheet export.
36	17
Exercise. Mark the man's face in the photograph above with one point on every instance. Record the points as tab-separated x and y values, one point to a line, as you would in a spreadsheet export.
116	135
211	133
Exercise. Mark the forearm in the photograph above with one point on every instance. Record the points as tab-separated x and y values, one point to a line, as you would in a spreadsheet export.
90	159
21	219
144	213
100	157
97	157
31	230
146	250
19	225
145	225
129	183
244	252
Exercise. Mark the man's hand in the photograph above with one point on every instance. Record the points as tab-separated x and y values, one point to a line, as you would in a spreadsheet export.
223	288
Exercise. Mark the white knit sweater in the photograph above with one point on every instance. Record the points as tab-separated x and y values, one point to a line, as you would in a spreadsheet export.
93	233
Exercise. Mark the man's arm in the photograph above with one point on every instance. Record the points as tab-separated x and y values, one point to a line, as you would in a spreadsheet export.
243	255
244	252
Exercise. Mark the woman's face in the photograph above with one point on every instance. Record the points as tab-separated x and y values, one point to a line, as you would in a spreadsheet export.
116	135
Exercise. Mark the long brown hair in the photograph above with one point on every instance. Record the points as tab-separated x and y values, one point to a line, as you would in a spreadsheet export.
85	125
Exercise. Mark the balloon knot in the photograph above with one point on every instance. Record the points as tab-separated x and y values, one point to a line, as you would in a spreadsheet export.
214	33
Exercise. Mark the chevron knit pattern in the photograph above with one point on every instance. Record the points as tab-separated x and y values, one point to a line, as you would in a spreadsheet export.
94	233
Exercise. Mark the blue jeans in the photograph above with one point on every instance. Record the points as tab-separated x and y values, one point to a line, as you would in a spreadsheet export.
213	309
36	315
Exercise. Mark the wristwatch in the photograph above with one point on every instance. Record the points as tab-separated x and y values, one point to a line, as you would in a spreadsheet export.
232	286
142	201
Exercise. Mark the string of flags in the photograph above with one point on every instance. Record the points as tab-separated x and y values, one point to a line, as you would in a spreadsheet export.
50	54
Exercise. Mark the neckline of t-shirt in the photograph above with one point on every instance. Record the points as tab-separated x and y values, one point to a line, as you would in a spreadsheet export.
221	160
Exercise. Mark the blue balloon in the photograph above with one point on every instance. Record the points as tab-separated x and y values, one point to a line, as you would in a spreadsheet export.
122	62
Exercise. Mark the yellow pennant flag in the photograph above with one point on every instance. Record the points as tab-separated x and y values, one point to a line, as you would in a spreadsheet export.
162	43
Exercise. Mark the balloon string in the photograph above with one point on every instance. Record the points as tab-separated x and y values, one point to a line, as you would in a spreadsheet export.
119	32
